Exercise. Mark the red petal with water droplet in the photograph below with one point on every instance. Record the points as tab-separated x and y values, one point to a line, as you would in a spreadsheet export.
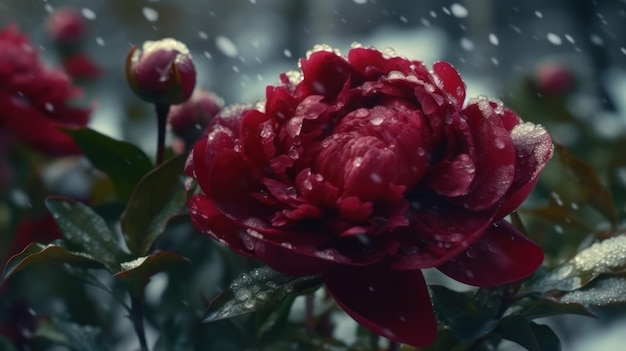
502	255
452	82
394	304
210	221
325	73
494	158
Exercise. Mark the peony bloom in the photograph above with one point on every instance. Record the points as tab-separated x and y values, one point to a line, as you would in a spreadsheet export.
366	169
34	100
161	72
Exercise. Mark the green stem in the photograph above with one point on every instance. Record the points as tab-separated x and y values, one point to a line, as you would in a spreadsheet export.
162	110
136	316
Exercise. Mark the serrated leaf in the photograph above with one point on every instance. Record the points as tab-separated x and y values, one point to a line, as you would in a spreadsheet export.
86	229
261	288
604	257
137	273
36	253
602	292
158	196
592	190
77	337
530	335
541	308
123	162
459	311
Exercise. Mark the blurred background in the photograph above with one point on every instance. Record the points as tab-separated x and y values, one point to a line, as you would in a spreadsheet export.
545	59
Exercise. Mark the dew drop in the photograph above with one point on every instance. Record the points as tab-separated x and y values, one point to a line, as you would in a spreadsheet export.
88	13
226	46
458	10
378	120
150	14
99	41
493	39
467	44
202	35
554	39
287	53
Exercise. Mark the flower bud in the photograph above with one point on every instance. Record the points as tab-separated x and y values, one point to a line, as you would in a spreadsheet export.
190	118
554	78
161	72
66	26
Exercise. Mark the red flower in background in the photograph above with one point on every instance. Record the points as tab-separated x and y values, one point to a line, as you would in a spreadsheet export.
66	26
190	118
35	100
366	169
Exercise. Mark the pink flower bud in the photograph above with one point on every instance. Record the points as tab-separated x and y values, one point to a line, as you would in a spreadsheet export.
161	71
66	26
554	78
190	118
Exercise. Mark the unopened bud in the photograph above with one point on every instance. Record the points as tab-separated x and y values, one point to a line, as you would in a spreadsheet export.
161	72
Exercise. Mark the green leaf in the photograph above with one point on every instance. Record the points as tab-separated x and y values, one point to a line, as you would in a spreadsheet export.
604	257
123	162
602	292
261	288
86	229
137	273
157	198
36	253
541	308
592	190
532	336
77	337
467	319
6	344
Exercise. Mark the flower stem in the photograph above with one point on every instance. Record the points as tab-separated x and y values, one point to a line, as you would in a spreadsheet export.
136	316
162	110
308	312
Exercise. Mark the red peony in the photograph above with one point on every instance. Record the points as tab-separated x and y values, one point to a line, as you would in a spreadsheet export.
366	169
34	100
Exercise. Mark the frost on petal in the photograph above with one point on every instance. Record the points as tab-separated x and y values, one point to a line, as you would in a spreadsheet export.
534	148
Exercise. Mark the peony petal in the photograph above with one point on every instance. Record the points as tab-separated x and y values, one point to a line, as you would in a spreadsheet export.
438	232
325	73
452	82
287	259
210	221
452	177
494	157
502	255
394	304
371	63
231	184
